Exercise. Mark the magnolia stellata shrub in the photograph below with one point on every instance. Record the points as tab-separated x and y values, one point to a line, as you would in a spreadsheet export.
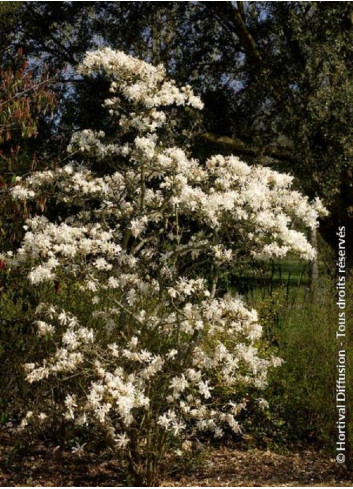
160	352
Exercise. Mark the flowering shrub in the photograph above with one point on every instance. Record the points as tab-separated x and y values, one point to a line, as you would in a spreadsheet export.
158	353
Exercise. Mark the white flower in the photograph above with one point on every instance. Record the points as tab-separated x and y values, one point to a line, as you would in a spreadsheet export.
218	432
263	404
22	193
102	264
70	403
137	226
45	328
92	285
63	318
204	389
179	384
172	353
122	441
113	283
79	449
41	274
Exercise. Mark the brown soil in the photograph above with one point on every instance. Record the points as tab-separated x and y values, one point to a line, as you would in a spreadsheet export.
43	466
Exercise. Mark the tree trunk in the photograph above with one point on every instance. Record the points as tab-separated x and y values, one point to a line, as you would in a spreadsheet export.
314	266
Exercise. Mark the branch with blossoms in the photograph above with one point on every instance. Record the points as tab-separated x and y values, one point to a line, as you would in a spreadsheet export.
158	353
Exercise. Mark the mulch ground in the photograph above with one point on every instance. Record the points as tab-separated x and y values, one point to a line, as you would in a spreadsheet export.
39	466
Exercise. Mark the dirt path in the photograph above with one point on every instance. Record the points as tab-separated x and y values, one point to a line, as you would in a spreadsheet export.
40	467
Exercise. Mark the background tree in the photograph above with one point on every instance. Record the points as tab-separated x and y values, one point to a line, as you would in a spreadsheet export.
25	101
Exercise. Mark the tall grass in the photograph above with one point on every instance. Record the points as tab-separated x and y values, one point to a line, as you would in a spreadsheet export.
303	328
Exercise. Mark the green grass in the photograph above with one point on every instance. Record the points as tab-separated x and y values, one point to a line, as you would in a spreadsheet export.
303	329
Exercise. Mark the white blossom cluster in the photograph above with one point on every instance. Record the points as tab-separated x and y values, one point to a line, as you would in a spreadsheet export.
162	353
138	81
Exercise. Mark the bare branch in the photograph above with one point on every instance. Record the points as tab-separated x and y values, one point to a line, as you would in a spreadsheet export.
245	37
